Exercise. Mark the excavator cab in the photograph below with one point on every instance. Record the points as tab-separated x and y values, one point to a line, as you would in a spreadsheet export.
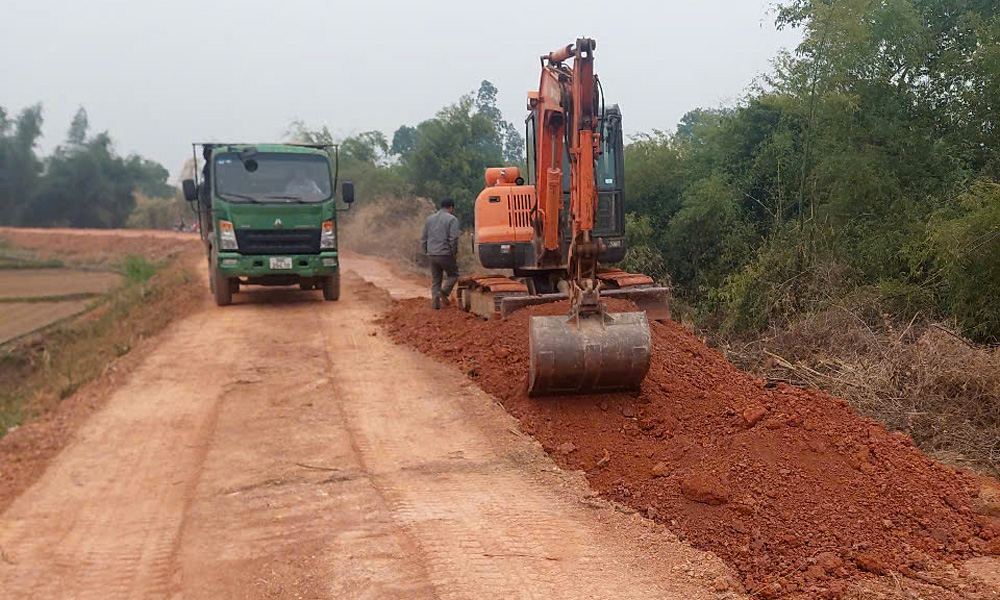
609	224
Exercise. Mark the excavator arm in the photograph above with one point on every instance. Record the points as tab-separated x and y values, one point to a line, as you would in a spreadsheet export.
588	350
568	123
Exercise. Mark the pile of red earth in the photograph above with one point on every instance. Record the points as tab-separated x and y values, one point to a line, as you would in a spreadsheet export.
790	487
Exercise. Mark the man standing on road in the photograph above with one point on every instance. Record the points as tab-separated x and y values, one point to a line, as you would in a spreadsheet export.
440	244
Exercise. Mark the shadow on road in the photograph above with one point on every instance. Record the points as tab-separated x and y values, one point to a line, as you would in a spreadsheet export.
276	295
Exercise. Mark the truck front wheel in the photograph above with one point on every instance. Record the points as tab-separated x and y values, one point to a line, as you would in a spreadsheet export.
331	288
223	289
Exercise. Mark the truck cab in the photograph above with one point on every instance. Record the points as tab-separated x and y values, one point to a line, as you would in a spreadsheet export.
268	216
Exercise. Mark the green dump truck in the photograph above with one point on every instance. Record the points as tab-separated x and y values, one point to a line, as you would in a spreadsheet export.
268	216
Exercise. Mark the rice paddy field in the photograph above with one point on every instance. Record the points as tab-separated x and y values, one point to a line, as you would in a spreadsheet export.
35	294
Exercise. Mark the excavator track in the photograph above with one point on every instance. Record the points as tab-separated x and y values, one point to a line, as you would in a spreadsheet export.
483	295
496	296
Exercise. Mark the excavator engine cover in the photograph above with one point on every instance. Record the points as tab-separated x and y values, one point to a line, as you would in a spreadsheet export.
597	354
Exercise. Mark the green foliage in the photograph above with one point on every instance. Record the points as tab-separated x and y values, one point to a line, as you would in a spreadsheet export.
403	140
84	183
367	147
967	250
137	269
708	237
160	213
505	137
847	179
20	168
451	153
442	157
654	171
641	255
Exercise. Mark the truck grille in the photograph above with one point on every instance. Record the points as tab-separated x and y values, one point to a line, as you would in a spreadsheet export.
278	241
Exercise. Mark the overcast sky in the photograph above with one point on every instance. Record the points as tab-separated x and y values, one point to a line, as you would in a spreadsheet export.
159	75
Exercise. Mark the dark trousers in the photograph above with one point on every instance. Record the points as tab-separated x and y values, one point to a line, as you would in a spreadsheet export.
441	265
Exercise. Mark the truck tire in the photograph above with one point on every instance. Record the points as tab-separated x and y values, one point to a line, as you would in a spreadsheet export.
223	291
211	274
331	288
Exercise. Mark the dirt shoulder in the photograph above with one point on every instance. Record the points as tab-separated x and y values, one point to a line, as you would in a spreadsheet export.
52	381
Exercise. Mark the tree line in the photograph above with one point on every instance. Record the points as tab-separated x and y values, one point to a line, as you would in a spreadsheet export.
83	183
862	172
444	156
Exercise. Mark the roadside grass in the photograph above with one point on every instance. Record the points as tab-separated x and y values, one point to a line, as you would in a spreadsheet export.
43	369
137	269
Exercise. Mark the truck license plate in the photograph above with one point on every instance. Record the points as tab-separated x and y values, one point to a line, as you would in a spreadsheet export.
281	262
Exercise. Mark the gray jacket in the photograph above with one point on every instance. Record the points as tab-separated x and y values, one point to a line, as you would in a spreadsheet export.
440	237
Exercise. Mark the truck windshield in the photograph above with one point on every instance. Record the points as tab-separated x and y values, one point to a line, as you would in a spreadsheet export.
272	177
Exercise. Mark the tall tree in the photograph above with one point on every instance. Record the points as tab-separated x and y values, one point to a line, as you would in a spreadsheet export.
20	168
506	136
87	184
451	153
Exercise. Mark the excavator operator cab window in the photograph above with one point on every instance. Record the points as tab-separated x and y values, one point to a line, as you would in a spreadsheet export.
608	162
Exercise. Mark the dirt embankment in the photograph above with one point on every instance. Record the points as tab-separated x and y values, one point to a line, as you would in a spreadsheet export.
789	486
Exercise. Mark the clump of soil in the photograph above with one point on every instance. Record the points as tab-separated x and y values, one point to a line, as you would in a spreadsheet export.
795	491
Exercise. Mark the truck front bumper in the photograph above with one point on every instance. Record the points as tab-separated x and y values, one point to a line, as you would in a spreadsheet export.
234	264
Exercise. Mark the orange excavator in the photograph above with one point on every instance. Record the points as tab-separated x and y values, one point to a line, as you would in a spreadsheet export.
558	231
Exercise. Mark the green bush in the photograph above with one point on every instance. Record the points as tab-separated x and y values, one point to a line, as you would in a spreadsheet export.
968	255
137	269
641	255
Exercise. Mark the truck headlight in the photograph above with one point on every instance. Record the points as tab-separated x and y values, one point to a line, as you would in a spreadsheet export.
227	236
328	238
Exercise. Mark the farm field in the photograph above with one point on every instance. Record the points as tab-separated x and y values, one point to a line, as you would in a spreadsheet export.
44	283
31	299
20	318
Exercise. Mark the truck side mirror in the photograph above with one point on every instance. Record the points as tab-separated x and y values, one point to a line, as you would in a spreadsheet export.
190	190
347	192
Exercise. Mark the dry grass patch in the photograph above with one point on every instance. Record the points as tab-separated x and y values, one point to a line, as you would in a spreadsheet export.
921	379
391	228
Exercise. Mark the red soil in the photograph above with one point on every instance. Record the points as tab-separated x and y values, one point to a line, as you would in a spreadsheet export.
790	487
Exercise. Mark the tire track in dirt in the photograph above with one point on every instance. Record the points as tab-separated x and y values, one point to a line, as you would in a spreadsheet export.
103	520
283	506
465	485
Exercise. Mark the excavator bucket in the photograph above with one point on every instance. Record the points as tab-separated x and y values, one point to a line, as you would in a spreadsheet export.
598	353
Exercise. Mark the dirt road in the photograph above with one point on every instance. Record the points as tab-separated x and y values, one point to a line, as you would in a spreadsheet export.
282	448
